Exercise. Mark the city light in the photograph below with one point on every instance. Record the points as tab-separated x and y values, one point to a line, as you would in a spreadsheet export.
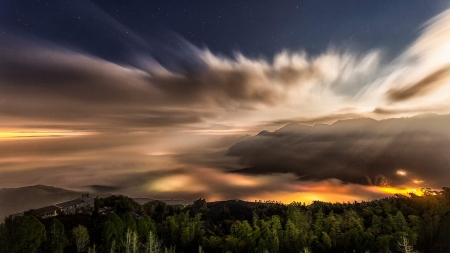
401	172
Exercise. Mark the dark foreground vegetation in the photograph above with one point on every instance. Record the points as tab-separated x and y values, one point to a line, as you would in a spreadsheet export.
394	224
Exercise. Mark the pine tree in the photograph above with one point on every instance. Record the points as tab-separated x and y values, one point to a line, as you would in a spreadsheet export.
152	245
57	239
113	231
129	221
127	240
135	245
81	236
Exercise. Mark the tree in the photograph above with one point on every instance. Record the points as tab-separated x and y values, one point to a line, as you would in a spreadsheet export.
383	243
92	250
126	241
57	239
183	231
144	225
27	234
135	245
326	241
129	221
113	247
404	246
152	245
81	236
388	225
400	223
113	231
5	239
291	242
200	205
130	241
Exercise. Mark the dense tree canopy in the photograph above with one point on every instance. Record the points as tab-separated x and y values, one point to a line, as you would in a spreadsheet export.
419	223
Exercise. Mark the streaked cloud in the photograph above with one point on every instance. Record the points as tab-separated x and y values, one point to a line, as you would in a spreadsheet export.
163	127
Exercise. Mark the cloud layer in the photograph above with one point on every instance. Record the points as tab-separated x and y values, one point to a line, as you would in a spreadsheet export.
144	125
359	151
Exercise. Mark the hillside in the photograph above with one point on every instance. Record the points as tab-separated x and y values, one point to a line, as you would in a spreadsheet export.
15	200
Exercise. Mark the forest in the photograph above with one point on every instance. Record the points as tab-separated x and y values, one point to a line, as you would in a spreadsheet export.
393	224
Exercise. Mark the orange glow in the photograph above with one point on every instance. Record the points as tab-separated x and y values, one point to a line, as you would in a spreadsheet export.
41	134
327	192
175	183
402	191
283	188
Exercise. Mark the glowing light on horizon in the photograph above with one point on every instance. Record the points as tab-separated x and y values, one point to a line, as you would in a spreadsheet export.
39	134
402	191
401	172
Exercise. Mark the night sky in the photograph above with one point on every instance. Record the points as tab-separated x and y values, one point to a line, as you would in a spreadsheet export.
113	29
171	99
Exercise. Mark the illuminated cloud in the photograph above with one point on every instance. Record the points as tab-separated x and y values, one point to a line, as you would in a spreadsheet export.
354	151
163	127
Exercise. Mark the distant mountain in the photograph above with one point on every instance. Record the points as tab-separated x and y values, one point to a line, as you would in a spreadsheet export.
102	189
16	200
170	202
362	151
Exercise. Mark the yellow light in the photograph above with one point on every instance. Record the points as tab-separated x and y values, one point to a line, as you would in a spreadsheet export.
20	134
401	172
402	191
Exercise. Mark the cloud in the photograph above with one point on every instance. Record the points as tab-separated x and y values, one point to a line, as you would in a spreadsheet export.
420	88
423	69
352	150
194	86
244	82
45	85
224	186
317	120
156	121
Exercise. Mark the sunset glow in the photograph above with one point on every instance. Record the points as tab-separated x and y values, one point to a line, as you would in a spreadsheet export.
19	134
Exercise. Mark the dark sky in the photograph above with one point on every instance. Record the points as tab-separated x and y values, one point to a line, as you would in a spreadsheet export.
111	29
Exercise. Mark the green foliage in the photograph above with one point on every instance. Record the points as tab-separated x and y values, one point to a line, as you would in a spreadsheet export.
113	231
237	226
129	221
152	244
120	204
130	241
384	243
145	225
183	231
57	239
81	237
27	234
